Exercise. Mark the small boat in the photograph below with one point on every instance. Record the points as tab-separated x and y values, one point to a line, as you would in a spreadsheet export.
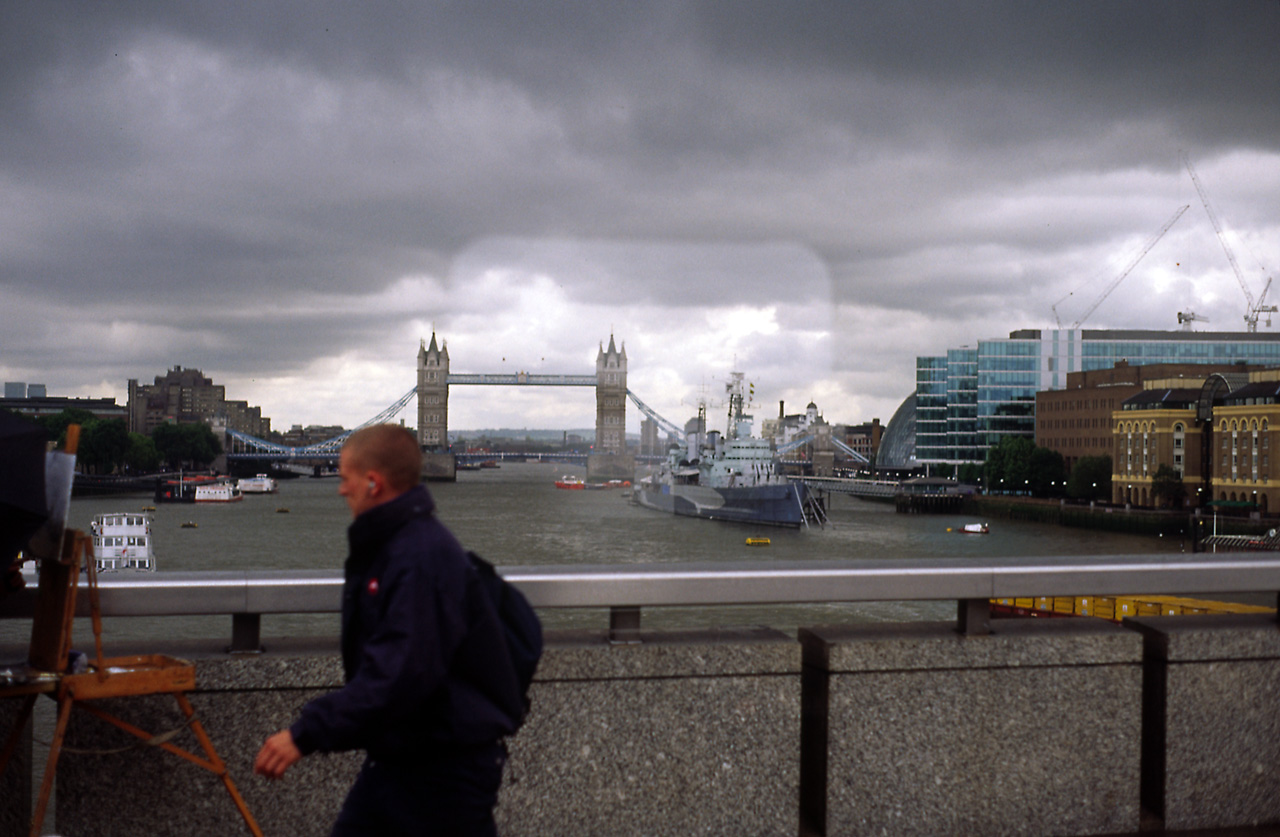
971	529
282	510
261	484
122	541
572	483
190	524
758	541
218	492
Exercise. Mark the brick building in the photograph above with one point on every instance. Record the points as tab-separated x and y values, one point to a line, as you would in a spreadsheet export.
1217	436
186	396
1077	421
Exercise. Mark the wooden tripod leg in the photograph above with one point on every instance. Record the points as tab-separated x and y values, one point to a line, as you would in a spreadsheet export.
207	744
65	701
11	743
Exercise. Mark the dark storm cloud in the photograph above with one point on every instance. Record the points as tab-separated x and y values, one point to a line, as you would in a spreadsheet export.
226	175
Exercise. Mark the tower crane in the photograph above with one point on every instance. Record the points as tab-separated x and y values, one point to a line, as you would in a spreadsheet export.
1115	283
1186	318
1255	308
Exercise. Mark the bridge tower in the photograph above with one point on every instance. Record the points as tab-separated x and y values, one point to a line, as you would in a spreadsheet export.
433	396
609	459
611	399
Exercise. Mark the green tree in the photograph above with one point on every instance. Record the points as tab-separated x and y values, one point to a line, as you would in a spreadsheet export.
1048	473
1090	479
56	425
1008	466
1167	488
103	445
142	456
182	445
970	472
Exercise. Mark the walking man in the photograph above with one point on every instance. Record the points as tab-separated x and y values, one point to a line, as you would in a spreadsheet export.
429	683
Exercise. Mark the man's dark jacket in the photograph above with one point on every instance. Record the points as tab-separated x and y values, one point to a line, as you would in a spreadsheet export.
427	669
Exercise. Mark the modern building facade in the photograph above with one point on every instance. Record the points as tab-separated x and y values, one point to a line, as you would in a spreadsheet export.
970	398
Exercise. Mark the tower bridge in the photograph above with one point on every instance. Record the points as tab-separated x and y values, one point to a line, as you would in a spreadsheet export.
608	459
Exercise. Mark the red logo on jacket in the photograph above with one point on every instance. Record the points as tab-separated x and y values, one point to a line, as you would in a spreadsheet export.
373	587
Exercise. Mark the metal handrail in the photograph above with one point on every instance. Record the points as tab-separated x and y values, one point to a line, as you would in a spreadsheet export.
248	594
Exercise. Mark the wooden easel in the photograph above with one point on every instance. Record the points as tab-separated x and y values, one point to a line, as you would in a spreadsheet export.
111	677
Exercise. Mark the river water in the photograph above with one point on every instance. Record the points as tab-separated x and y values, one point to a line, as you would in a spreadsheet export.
514	515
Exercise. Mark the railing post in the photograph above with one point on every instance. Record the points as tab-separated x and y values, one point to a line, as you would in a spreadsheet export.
974	617
624	625
246	633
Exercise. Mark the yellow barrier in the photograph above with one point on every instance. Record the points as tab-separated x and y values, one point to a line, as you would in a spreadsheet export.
1118	608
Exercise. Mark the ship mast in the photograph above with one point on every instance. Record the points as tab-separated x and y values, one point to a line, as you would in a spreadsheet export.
734	388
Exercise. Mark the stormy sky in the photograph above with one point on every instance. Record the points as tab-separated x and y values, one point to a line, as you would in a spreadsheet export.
289	196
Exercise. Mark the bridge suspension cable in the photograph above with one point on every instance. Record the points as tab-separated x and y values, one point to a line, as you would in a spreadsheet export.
840	446
678	432
329	447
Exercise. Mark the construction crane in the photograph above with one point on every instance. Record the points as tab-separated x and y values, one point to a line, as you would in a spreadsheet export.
1186	318
1255	308
1115	283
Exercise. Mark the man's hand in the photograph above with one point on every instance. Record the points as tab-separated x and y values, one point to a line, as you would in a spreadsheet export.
276	755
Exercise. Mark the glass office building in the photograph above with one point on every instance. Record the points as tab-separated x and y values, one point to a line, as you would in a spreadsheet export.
970	398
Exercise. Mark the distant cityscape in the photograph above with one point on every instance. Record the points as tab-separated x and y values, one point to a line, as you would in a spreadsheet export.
1202	404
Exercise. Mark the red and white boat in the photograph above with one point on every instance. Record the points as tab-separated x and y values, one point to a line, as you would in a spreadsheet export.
218	492
571	483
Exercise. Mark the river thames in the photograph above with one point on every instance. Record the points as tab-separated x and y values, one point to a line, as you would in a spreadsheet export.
514	515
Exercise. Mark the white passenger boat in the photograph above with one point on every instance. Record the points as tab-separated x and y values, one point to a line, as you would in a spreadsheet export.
122	541
218	492
261	484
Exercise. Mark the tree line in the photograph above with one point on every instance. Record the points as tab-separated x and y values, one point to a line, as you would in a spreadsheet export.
1018	466
107	447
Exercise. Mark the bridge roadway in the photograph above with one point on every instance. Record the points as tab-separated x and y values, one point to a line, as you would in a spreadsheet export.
1016	726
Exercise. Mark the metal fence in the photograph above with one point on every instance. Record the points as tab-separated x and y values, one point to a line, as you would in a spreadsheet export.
626	589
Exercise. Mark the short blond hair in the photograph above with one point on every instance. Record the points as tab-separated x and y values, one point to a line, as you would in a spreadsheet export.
390	450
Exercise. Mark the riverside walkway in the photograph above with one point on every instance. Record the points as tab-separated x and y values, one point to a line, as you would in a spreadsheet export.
978	726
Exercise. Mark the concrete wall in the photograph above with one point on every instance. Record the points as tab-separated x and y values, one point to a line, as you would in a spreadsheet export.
900	729
15	782
685	733
915	729
1212	752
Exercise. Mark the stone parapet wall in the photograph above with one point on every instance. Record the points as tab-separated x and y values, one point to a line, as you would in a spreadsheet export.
1034	728
1041	727
1211	756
